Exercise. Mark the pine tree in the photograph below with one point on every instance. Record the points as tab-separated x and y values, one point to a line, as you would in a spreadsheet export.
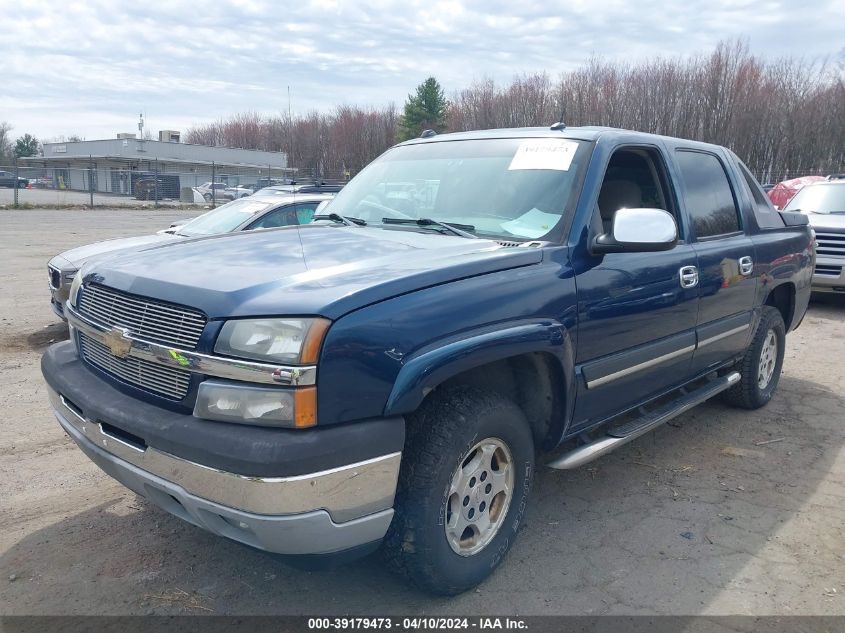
27	145
425	110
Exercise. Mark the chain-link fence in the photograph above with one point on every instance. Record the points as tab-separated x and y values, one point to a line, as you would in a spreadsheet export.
27	183
113	184
772	177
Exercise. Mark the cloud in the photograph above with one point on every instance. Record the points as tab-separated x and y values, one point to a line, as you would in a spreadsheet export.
90	67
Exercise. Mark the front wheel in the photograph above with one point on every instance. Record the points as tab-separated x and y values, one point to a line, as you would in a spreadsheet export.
762	363
463	488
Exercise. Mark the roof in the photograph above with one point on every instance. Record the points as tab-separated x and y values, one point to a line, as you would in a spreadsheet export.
582	133
147	150
285	197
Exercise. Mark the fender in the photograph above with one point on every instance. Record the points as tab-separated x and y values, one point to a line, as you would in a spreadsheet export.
435	364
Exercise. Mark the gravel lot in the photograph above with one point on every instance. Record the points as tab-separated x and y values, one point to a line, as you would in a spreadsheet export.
723	512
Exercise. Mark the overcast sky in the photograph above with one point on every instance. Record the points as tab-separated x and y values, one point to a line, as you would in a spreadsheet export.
89	68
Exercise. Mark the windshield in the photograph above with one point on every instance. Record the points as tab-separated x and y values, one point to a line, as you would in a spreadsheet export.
224	218
511	189
822	198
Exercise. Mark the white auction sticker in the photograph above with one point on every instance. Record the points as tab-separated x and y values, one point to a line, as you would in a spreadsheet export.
544	153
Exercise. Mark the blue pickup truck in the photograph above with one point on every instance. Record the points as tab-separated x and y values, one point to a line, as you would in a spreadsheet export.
469	306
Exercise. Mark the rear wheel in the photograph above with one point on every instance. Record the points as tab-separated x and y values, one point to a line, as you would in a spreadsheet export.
762	363
463	487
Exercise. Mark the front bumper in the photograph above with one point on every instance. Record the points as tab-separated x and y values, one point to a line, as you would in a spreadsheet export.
326	508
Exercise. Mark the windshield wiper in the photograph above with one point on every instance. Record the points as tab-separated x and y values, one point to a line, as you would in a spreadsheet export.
453	228
343	219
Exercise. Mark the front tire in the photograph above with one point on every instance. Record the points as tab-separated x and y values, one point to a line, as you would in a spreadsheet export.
762	363
463	488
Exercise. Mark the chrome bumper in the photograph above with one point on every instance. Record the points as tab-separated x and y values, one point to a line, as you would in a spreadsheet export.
321	512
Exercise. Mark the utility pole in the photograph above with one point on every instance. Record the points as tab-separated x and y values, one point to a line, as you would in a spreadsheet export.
16	182
91	180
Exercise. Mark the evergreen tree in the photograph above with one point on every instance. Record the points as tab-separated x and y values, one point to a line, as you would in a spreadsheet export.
27	145
425	110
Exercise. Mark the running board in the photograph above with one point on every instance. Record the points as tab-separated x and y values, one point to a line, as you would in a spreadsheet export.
617	436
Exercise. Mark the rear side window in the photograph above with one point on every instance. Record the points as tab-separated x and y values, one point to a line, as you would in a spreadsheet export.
765	213
709	199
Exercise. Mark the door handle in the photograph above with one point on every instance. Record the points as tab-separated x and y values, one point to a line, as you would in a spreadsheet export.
688	276
746	265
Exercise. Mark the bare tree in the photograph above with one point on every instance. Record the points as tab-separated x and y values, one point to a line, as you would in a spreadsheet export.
784	116
5	143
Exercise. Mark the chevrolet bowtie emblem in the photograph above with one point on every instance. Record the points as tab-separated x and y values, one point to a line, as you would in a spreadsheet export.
118	342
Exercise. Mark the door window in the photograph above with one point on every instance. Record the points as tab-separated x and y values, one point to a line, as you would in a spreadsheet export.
708	195
289	215
634	179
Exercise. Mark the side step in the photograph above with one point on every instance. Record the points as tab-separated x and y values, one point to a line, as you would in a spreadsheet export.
617	436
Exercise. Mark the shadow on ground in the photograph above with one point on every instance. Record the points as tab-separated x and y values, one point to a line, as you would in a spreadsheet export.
36	341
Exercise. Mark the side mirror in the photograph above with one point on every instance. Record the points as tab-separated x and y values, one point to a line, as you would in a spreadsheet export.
638	231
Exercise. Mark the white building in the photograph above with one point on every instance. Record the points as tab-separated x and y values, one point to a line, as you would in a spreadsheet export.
115	164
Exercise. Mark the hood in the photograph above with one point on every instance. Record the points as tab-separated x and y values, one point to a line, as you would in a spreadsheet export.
822	221
325	270
76	257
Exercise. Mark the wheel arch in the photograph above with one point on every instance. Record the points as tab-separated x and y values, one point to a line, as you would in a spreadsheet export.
782	298
531	363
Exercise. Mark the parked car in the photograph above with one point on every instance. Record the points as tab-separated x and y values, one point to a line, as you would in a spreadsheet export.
824	204
784	191
208	189
317	187
233	193
264	181
167	188
386	379
41	182
239	215
7	179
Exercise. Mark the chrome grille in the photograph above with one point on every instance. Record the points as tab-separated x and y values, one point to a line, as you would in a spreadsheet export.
830	244
152	320
828	270
165	381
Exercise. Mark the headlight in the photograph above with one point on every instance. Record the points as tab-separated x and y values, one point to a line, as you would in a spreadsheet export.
295	341
74	288
262	406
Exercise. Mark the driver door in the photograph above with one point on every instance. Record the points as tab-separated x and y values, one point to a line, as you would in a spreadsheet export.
636	316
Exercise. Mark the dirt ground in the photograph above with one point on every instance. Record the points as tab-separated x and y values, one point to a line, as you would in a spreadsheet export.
720	512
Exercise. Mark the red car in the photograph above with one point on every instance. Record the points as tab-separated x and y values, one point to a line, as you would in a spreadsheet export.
784	191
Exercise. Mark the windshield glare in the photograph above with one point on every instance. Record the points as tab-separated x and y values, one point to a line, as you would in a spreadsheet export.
821	198
224	218
514	189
